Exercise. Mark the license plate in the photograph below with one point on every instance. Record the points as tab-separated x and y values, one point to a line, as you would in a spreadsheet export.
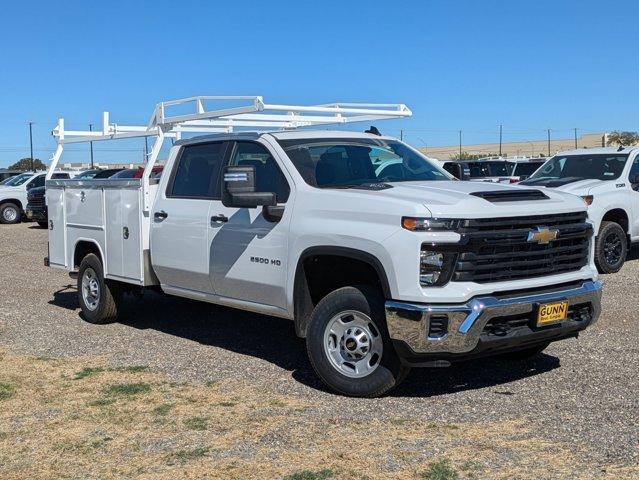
552	313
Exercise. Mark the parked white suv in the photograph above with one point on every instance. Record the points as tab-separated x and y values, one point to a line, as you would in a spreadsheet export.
608	180
380	259
13	194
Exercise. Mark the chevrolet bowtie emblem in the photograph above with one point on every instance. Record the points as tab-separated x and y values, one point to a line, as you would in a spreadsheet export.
542	235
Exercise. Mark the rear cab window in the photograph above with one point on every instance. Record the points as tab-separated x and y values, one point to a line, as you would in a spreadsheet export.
196	173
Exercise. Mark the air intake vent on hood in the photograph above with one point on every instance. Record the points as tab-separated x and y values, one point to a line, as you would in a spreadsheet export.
511	195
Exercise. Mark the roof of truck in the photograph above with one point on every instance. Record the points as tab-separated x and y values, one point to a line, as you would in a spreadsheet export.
594	151
284	135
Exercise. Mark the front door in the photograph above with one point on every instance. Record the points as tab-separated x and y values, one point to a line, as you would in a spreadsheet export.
248	252
180	218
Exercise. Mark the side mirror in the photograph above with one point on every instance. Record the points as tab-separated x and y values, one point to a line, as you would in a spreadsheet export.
238	189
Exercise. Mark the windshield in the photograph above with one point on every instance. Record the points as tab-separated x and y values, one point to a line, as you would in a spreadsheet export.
334	163
18	180
581	167
524	169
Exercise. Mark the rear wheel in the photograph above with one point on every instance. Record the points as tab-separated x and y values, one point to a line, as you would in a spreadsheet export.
348	344
611	247
99	298
10	213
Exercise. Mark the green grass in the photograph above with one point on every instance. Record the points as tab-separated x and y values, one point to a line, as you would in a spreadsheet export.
311	475
226	404
131	369
6	391
196	423
440	470
184	456
128	389
88	372
162	410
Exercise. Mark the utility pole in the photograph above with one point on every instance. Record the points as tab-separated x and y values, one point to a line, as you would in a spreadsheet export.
31	145
575	138
500	137
460	144
91	145
548	142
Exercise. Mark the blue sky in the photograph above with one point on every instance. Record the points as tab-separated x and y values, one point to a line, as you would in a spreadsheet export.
468	65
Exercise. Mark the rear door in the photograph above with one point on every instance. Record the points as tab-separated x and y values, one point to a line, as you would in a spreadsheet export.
180	217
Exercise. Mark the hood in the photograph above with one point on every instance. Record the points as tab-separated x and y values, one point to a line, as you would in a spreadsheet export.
38	191
6	190
458	199
574	185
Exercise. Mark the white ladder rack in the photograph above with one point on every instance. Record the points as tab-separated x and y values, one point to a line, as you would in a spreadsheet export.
251	114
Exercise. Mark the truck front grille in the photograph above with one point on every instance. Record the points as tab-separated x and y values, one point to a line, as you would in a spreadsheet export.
36	201
499	249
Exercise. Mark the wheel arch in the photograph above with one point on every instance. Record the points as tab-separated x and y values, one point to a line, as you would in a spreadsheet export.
84	246
16	201
304	293
617	215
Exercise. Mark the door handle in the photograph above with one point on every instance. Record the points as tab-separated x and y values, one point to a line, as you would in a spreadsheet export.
161	215
219	218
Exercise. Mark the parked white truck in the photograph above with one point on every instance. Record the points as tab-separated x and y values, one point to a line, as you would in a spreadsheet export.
378	256
13	193
608	180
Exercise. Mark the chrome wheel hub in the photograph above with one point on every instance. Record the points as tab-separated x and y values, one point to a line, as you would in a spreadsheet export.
353	344
9	214
90	289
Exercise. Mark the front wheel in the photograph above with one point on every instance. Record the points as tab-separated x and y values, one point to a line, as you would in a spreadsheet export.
10	213
99	298
611	248
349	346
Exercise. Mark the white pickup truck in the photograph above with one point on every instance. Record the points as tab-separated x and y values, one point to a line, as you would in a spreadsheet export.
608	180
13	193
382	260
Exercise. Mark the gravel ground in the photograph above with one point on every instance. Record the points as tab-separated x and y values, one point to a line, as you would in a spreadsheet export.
582	391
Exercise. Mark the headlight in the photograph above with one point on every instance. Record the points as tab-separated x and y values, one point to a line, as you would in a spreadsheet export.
435	268
429	224
588	199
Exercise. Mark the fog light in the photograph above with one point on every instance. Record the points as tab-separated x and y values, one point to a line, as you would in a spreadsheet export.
431	264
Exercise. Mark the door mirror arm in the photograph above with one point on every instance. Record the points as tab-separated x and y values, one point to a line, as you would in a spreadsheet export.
273	213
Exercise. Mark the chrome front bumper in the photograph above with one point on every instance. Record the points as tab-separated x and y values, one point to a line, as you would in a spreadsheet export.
410	322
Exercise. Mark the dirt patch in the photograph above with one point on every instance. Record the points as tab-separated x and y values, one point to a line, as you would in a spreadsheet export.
82	419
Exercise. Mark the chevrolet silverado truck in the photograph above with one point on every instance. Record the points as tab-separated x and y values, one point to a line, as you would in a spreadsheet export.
13	194
379	257
608	180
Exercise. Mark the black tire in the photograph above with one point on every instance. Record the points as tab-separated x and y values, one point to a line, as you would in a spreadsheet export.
108	297
43	224
525	353
389	371
10	213
611	248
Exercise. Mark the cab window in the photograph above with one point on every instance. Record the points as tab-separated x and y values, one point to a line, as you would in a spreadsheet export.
268	176
197	171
